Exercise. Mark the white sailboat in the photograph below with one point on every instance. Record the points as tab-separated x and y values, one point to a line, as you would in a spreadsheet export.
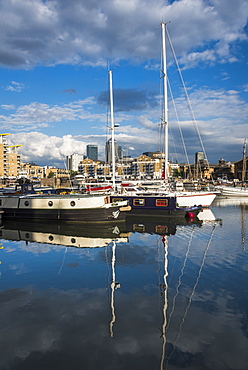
238	191
184	198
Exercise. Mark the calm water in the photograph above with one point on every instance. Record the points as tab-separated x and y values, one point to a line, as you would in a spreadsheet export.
179	300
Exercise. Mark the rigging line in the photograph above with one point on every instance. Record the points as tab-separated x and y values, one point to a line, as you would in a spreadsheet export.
179	279
180	129
192	293
187	98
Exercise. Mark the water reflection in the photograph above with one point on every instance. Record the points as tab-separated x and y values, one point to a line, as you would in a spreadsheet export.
154	296
241	203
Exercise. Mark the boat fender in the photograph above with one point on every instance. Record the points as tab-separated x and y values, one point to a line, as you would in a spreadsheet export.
190	215
125	209
107	200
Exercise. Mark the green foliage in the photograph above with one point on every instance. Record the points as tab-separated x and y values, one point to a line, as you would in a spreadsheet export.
51	175
73	173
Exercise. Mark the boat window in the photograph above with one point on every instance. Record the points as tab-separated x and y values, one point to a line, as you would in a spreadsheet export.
50	203
161	229
139	228
117	200
72	203
26	203
161	202
139	202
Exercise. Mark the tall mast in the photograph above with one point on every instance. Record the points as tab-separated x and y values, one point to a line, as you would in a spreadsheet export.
112	126
244	164
165	102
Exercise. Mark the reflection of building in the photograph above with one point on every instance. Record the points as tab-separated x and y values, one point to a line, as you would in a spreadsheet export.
108	150
92	152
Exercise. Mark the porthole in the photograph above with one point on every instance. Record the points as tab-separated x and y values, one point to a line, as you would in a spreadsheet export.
72	203
73	240
50	203
26	203
50	238
27	235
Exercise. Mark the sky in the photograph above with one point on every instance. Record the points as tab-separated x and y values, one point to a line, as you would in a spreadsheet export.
54	61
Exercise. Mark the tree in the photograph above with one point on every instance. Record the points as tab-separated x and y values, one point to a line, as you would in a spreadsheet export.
51	175
73	173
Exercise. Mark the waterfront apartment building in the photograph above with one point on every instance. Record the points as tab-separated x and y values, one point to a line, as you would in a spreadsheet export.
9	158
91	169
31	171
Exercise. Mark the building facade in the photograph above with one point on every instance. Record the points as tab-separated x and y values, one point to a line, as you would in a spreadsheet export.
108	151
72	161
9	159
92	152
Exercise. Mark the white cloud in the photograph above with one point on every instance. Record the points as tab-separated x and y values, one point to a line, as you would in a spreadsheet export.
221	116
90	33
8	106
38	114
15	86
42	149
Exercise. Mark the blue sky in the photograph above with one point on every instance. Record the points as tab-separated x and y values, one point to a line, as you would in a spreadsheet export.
54	60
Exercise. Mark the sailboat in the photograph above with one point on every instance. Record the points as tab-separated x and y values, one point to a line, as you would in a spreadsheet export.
184	198
238	191
144	204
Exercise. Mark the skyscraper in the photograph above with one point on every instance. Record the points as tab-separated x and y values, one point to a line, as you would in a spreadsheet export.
108	150
92	152
199	157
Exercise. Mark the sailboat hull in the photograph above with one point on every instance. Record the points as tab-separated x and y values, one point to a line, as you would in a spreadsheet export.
190	199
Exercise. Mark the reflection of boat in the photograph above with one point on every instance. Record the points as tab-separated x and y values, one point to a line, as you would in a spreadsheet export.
230	192
207	216
68	234
223	202
154	225
236	202
66	207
